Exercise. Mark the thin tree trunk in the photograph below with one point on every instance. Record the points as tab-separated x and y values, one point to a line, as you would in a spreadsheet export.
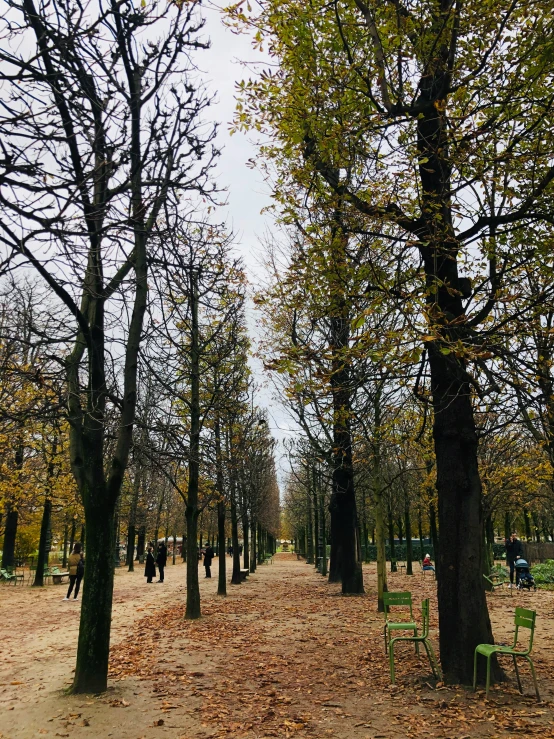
42	559
131	530
409	551
222	574
253	553
393	566
191	511
10	533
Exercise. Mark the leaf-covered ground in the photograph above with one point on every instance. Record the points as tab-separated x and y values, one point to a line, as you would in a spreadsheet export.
285	655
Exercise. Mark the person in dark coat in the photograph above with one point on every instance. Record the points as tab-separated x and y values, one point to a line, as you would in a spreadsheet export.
161	560
150	568
514	549
208	556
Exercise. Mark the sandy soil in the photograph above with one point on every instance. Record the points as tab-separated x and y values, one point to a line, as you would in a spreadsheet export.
283	655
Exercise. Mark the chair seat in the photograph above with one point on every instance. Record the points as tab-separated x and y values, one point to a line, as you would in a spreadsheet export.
488	649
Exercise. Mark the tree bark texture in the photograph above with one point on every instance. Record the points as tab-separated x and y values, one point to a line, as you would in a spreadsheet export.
42	558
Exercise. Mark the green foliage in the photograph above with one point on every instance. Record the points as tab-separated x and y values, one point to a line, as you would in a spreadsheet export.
544	573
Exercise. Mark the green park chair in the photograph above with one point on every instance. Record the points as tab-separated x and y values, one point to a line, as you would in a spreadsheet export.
424	639
524	619
496	581
400	599
10	574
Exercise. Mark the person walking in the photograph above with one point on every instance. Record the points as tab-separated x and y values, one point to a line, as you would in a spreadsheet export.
208	556
514	549
161	560
150	567
76	568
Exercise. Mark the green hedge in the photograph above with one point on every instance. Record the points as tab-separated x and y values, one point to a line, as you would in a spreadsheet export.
400	551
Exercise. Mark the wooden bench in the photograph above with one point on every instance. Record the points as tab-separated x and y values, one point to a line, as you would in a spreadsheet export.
244	574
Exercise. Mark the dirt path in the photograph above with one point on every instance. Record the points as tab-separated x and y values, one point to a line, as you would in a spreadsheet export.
283	655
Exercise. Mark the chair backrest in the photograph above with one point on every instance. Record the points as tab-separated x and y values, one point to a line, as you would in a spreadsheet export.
525	619
425	617
397	599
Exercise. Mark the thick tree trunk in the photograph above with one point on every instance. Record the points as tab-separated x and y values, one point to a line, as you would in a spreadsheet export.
463	616
309	531
42	559
141	541
10	533
193	587
343	471
91	671
420	534
235	577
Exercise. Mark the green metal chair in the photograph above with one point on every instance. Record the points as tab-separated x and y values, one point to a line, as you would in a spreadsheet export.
524	619
401	599
424	639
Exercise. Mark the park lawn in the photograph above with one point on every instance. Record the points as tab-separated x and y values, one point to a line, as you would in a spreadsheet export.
283	655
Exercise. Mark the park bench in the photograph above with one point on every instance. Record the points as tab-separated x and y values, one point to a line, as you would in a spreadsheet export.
10	575
244	574
57	576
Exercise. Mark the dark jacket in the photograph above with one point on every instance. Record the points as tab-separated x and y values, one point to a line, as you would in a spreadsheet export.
514	549
150	568
161	559
208	556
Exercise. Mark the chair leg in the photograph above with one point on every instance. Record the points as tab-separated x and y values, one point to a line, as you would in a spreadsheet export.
391	661
416	643
488	675
532	666
385	636
437	672
475	672
517	673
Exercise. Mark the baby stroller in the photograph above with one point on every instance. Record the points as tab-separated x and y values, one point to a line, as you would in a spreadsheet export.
524	578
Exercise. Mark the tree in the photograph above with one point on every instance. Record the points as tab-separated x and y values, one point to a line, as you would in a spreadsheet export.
101	131
433	122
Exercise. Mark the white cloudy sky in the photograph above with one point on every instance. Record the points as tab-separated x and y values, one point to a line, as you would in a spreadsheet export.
247	194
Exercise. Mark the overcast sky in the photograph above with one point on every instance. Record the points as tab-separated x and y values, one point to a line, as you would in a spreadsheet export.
247	193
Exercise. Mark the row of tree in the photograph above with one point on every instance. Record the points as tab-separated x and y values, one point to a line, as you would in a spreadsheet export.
134	347
410	149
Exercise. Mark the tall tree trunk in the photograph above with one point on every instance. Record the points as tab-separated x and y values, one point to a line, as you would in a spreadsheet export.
420	534
96	608
245	538
316	518
65	542
131	530
335	565
379	501
408	524
235	577
42	559
309	529
191	511
253	553
393	566
222	575
433	529
10	533
344	508
141	541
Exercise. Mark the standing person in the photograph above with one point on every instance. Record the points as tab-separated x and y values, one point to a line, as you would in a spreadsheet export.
208	556
514	549
150	567
76	565
161	560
